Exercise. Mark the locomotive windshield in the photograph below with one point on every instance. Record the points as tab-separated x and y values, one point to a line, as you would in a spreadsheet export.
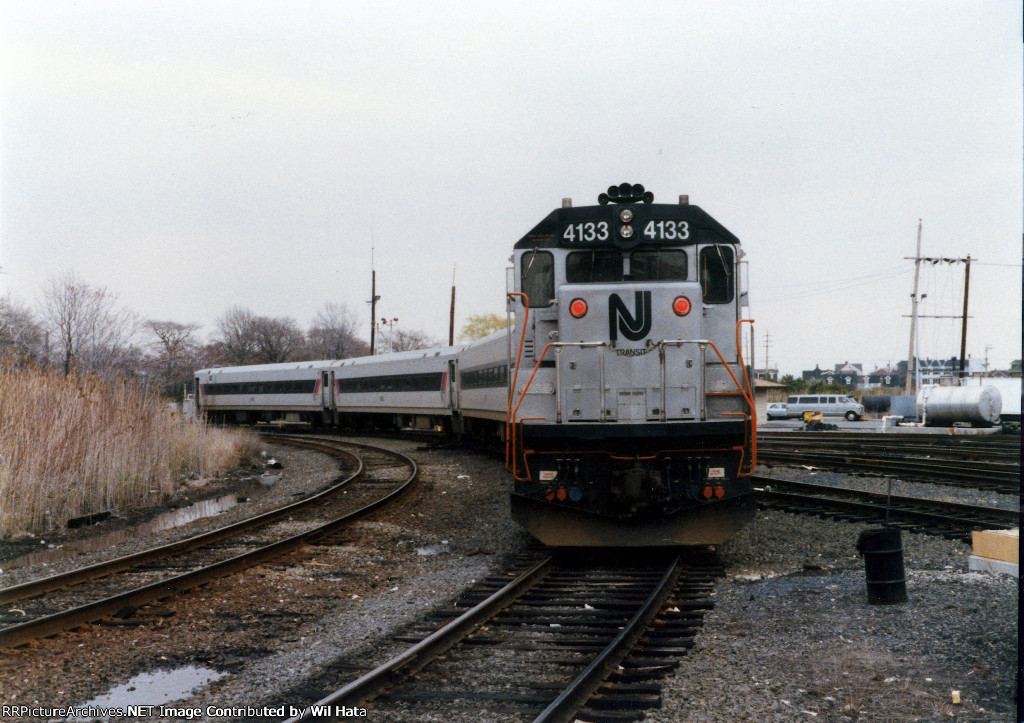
588	267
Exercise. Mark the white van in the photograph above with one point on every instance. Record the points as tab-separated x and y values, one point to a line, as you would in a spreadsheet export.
830	405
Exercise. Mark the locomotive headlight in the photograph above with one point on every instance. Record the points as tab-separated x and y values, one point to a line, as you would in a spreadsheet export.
681	306
626	215
626	232
578	308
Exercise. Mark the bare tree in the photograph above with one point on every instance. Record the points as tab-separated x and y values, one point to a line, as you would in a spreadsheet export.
333	334
172	352
236	336
22	339
88	328
402	340
277	340
245	338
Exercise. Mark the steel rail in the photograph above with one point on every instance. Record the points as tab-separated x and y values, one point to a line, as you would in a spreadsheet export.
1006	452
369	685
62	580
958	518
576	694
88	612
1004	478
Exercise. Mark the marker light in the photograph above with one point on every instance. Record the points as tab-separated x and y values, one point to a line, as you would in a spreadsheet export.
681	306
578	308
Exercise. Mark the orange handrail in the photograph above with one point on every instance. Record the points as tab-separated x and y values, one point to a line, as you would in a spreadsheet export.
522	397
515	374
750	399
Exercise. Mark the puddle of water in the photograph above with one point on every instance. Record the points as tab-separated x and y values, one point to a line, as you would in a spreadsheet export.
165	521
154	688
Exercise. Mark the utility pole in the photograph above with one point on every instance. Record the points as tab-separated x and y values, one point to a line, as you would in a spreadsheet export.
911	365
373	309
451	315
767	341
915	316
963	328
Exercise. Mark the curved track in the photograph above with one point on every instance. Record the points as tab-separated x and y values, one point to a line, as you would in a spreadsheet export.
53	604
550	641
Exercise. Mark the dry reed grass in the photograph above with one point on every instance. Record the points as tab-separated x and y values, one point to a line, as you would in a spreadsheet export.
72	446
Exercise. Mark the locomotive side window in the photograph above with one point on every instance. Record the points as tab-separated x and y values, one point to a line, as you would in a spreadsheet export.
539	278
659	265
717	274
589	267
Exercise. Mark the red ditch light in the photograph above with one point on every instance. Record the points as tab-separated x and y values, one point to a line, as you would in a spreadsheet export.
681	306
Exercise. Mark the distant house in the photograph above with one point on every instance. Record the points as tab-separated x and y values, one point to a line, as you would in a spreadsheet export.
887	377
942	371
850	375
765	392
833	376
770	373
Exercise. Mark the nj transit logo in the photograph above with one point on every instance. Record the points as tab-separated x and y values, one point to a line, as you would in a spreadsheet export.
632	327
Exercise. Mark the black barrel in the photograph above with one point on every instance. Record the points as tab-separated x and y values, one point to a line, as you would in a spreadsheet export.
882	549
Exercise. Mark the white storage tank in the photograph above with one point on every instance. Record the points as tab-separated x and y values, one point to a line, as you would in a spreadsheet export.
975	405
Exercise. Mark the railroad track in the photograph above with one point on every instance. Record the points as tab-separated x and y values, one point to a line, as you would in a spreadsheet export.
945	519
552	640
50	605
991	462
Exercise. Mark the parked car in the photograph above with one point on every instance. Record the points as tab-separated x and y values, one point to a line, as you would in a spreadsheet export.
831	405
777	410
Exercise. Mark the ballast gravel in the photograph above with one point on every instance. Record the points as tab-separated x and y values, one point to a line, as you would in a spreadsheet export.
791	637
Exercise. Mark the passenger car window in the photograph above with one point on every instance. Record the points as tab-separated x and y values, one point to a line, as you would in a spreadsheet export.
658	265
791	400
717	273
588	267
538	278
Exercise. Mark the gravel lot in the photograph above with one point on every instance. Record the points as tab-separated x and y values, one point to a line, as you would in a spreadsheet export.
791	637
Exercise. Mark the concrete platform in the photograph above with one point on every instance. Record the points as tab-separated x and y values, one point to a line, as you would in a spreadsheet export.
984	564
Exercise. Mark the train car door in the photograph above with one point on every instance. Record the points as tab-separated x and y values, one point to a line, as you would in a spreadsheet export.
327	394
453	386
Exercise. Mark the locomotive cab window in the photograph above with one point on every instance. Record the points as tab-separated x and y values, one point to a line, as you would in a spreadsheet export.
538	278
659	265
717	274
592	267
606	266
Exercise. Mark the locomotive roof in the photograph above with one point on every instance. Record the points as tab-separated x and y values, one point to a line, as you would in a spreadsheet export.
702	227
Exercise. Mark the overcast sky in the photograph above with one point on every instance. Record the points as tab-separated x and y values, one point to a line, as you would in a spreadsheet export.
193	156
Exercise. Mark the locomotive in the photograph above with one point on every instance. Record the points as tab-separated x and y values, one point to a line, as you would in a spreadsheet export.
619	391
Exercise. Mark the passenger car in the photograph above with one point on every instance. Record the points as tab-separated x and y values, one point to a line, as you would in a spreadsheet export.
777	410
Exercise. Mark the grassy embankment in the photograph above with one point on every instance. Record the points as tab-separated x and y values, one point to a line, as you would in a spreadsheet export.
72	446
